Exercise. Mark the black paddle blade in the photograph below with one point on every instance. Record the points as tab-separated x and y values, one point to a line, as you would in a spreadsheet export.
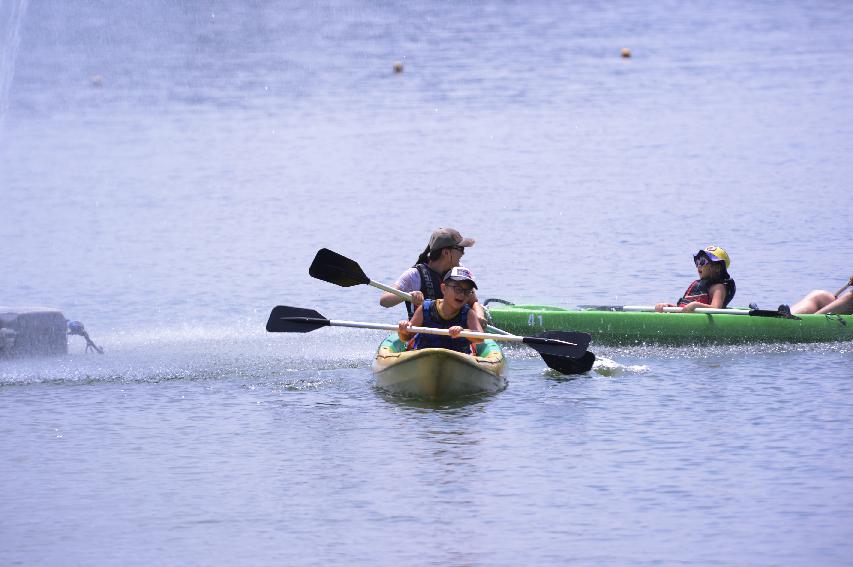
571	344
784	312
566	365
333	268
284	319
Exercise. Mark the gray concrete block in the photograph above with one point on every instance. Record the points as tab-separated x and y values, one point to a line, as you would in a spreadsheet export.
32	331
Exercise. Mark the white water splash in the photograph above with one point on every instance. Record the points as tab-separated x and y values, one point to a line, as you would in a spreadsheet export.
195	352
11	20
608	367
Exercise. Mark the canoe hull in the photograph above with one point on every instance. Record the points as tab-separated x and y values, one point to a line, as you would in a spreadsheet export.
625	328
436	373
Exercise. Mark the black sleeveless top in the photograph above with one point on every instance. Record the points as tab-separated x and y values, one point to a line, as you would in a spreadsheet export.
430	286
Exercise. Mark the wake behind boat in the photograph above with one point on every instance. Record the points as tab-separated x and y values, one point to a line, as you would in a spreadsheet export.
438	373
611	325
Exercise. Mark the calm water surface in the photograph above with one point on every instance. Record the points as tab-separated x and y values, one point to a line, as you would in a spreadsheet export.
168	172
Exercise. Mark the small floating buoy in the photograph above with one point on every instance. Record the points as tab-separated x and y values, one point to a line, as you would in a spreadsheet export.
96	81
626	52
398	66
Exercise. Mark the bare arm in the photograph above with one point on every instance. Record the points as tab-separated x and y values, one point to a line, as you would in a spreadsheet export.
388	299
718	298
480	312
472	323
403	327
409	282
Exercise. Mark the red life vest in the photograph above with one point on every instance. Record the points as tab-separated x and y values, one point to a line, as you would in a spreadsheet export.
699	291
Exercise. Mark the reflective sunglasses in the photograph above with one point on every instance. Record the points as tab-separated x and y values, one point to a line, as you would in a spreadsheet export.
701	261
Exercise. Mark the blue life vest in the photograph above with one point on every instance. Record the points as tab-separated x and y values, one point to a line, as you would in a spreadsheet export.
433	319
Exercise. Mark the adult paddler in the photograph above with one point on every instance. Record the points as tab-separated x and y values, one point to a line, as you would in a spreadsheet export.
423	280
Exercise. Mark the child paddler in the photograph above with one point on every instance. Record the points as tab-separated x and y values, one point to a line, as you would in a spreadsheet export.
714	288
423	280
452	312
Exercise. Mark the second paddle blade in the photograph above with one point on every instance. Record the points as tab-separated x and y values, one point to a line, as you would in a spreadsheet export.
566	365
285	319
333	268
572	344
577	337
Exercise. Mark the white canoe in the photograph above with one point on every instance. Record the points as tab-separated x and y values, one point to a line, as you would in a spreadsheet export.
437	373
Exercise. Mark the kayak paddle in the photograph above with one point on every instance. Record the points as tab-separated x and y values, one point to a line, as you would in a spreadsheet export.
337	269
848	284
566	365
705	310
563	351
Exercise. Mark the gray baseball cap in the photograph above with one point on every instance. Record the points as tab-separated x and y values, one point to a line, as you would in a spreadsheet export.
445	237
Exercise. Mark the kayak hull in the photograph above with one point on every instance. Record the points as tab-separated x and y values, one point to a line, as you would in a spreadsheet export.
626	328
437	373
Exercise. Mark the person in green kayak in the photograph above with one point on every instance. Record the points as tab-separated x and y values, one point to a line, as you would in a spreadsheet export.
424	280
452	312
822	302
715	288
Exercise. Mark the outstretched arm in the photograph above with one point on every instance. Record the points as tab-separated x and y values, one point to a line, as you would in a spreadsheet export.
388	299
409	282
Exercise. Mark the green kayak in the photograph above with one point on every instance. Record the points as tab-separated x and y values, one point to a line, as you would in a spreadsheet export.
625	328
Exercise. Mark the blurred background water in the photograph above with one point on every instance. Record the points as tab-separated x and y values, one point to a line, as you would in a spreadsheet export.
167	172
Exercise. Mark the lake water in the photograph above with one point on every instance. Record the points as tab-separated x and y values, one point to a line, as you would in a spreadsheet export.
168	171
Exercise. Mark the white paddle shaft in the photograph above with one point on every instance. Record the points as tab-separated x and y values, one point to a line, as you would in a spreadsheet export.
840	291
401	294
706	310
434	331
